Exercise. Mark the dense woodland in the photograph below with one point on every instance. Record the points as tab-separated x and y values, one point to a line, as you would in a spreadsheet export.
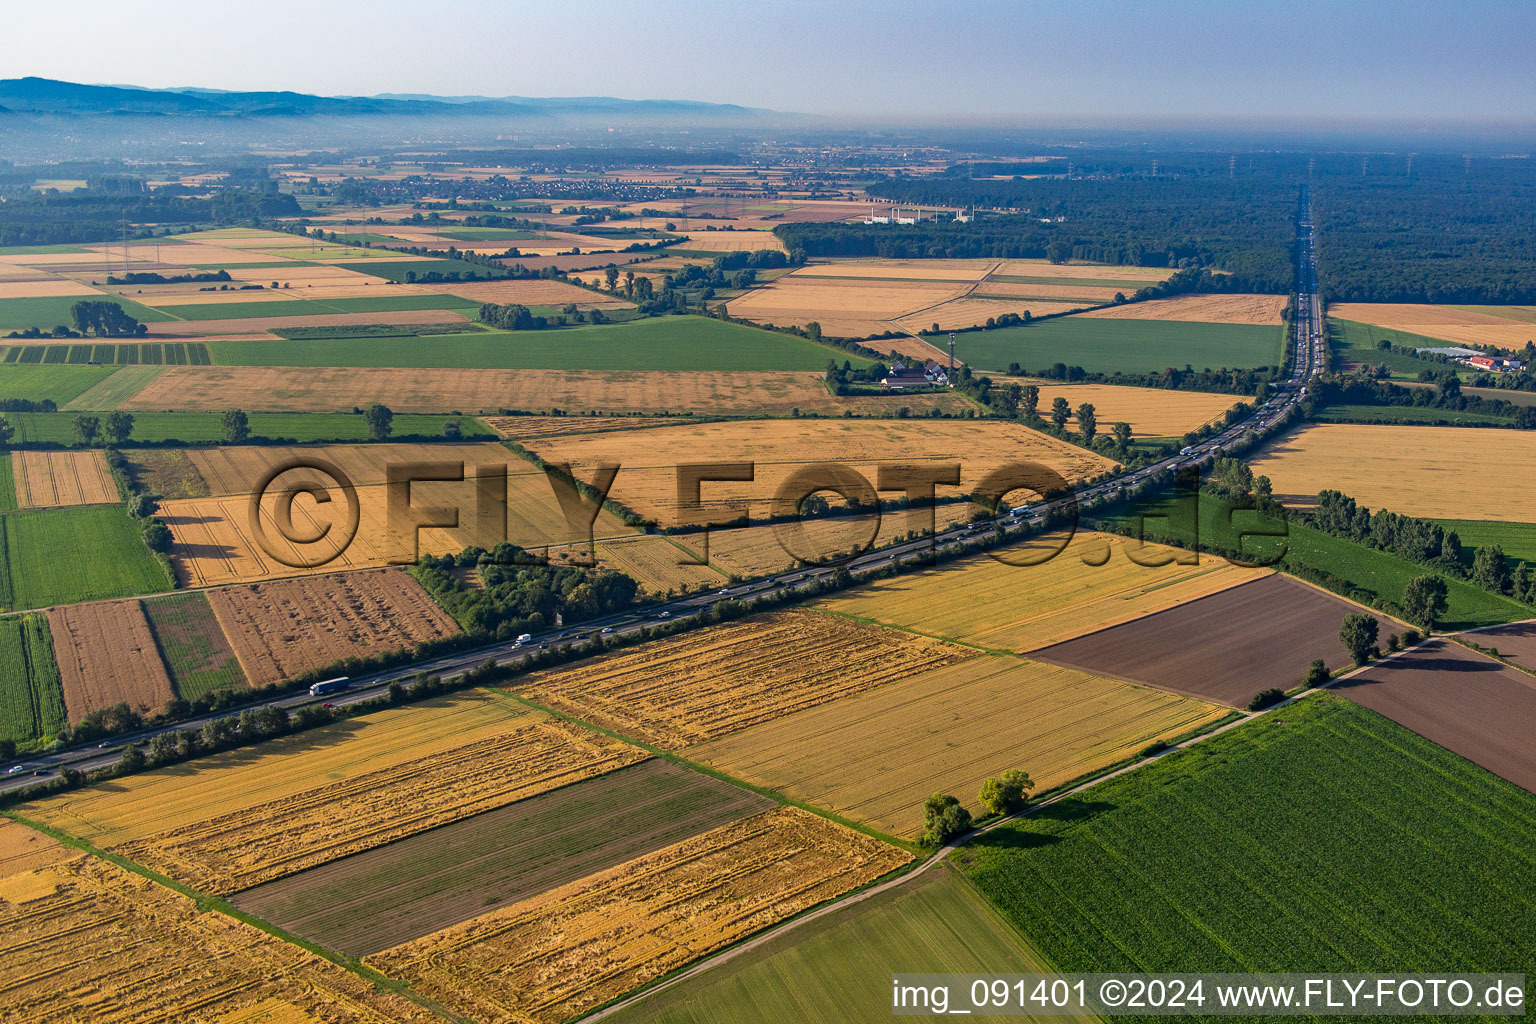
1244	226
35	218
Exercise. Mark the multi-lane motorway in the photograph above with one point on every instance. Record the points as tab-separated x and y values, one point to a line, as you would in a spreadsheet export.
1309	355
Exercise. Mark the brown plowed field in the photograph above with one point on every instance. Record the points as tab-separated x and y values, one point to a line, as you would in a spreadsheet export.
1226	647
648	480
284	629
712	682
1215	309
52	479
107	655
875	756
319	389
1515	641
392	894
560	954
91	942
1469	704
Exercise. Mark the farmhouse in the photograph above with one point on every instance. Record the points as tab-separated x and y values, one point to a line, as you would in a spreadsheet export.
1494	364
903	376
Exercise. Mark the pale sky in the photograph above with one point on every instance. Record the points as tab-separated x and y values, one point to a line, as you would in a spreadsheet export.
1448	60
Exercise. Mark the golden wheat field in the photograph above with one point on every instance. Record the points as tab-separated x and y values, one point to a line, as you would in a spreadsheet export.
711	682
316	389
557	955
875	756
658	564
1151	412
1216	309
236	820
1459	326
1434	472
53	479
647	481
1020	608
525	428
85	940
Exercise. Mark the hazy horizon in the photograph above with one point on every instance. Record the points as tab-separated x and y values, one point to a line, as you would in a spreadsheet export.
1366	63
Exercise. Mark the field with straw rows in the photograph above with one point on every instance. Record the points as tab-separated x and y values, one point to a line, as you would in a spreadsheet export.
86	940
874	757
308	389
841	963
648	484
713	682
1453	473
196	653
1214	309
51	479
658	564
775	547
106	656
283	629
31	694
1459	326
1201	861
556	955
1092	584
292	814
391	894
24	849
1151	412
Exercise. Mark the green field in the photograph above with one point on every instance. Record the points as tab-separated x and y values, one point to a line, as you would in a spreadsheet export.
313	307
1517	539
1367	574
838	968
205	428
1420	415
1123	346
1356	343
31	695
121	353
400	270
1320	838
1525	314
37	382
659	343
48	313
66	555
488	234
38	250
116	388
192	645
7	482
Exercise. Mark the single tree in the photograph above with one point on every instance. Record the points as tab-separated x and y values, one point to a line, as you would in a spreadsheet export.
1087	422
611	276
453	430
1006	793
132	760
943	819
1061	411
6	433
87	428
1266	699
380	420
1122	432
1317	674
1424	600
1008	399
1489	570
119	426
1029	401
236	425
1358	633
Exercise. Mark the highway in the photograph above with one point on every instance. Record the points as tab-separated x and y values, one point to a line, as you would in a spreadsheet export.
1309	360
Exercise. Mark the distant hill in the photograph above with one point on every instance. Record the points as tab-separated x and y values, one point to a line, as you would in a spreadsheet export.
47	96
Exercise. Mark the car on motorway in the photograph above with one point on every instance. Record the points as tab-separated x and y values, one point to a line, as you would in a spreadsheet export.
524	638
42	772
607	629
725	590
1188	450
16	769
663	615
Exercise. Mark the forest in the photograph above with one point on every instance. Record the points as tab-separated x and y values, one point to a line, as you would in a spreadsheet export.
32	218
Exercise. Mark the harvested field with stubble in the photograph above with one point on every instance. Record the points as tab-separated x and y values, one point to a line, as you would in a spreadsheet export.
875	756
709	683
1225	647
86	940
647	483
1092	584
657	563
308	389
106	656
391	894
1213	309
528	428
1464	701
283	629
54	479
534	291
1151	412
555	956
242	818
1433	472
